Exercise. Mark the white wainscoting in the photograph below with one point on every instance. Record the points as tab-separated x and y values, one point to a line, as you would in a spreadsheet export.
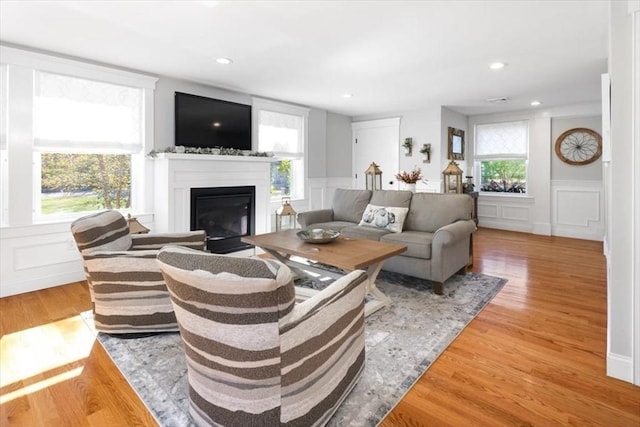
321	190
41	256
577	209
506	212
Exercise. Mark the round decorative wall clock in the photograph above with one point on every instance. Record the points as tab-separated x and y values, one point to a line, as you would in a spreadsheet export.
579	146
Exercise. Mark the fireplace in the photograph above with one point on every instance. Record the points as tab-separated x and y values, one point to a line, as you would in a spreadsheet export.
226	214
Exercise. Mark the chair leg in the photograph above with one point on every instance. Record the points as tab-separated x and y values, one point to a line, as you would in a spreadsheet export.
438	288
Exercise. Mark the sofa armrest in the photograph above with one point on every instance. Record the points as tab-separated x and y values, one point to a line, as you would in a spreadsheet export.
313	217
452	233
190	239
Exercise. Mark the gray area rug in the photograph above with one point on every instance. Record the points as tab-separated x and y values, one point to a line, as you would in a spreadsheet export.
402	341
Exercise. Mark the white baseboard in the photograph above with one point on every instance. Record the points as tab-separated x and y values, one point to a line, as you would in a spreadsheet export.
502	225
542	228
620	367
36	284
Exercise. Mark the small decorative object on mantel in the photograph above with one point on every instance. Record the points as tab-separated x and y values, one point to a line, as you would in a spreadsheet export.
286	211
452	178
408	146
218	151
409	179
135	227
426	153
373	177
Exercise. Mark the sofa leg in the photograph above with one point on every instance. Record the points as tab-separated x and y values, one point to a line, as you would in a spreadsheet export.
438	288
463	270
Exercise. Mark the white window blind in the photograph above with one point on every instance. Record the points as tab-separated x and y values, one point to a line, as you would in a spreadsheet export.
79	115
507	140
280	132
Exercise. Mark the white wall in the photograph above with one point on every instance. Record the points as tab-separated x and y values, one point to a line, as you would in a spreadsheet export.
164	105
577	199
40	256
544	205
563	171
424	126
338	146
455	120
623	299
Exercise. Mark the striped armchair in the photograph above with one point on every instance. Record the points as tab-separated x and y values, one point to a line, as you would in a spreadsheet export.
254	356
127	288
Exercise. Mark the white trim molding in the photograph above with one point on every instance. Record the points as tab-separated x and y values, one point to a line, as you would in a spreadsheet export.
506	212
577	209
620	367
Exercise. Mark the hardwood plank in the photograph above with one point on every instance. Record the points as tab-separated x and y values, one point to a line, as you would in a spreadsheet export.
534	356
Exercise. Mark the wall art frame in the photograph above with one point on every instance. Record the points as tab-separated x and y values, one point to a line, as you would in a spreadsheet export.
456	144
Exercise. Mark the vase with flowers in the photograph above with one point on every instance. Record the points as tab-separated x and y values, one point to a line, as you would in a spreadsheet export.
409	179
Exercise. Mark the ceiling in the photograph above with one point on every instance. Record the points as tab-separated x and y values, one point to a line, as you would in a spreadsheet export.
393	56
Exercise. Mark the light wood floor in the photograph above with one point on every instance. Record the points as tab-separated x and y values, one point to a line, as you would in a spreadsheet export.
534	356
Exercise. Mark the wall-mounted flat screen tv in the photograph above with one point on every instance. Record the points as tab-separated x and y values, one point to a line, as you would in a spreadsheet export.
207	122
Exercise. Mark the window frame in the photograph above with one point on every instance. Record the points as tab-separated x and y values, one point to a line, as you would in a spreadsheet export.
477	161
258	105
22	66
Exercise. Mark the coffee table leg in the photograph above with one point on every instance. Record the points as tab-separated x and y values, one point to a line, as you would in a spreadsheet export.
380	300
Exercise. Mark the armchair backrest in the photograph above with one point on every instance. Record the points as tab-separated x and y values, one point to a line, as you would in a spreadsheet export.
228	311
103	231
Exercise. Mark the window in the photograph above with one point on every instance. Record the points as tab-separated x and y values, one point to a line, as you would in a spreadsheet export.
282	131
74	137
501	154
84	135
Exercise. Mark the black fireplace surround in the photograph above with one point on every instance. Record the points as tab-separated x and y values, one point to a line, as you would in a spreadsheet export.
226	214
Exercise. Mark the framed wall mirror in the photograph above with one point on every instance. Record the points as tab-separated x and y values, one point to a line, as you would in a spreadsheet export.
456	144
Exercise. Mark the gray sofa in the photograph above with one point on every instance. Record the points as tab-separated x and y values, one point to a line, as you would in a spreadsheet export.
437	228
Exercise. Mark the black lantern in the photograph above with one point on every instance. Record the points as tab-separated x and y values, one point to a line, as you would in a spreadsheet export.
452	178
285	215
373	177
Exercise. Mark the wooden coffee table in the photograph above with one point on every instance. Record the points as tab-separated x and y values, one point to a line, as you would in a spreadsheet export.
346	253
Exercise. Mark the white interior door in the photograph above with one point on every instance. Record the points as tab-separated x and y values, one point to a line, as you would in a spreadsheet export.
376	141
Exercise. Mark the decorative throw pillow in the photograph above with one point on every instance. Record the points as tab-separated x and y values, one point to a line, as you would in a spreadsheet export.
386	217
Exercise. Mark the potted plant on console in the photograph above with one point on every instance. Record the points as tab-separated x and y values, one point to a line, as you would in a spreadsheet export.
408	180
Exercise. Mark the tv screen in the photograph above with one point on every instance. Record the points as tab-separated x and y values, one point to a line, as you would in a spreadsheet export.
206	122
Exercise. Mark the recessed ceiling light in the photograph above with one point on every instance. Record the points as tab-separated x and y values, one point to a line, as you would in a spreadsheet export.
535	103
224	61
347	95
497	65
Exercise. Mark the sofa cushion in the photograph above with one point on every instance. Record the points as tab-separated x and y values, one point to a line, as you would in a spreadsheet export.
430	211
400	199
384	217
348	205
332	225
369	233
418	243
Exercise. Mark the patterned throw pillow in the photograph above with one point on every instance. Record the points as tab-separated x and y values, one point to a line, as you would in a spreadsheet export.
385	217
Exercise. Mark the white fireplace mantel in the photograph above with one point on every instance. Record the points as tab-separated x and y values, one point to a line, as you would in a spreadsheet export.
176	174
